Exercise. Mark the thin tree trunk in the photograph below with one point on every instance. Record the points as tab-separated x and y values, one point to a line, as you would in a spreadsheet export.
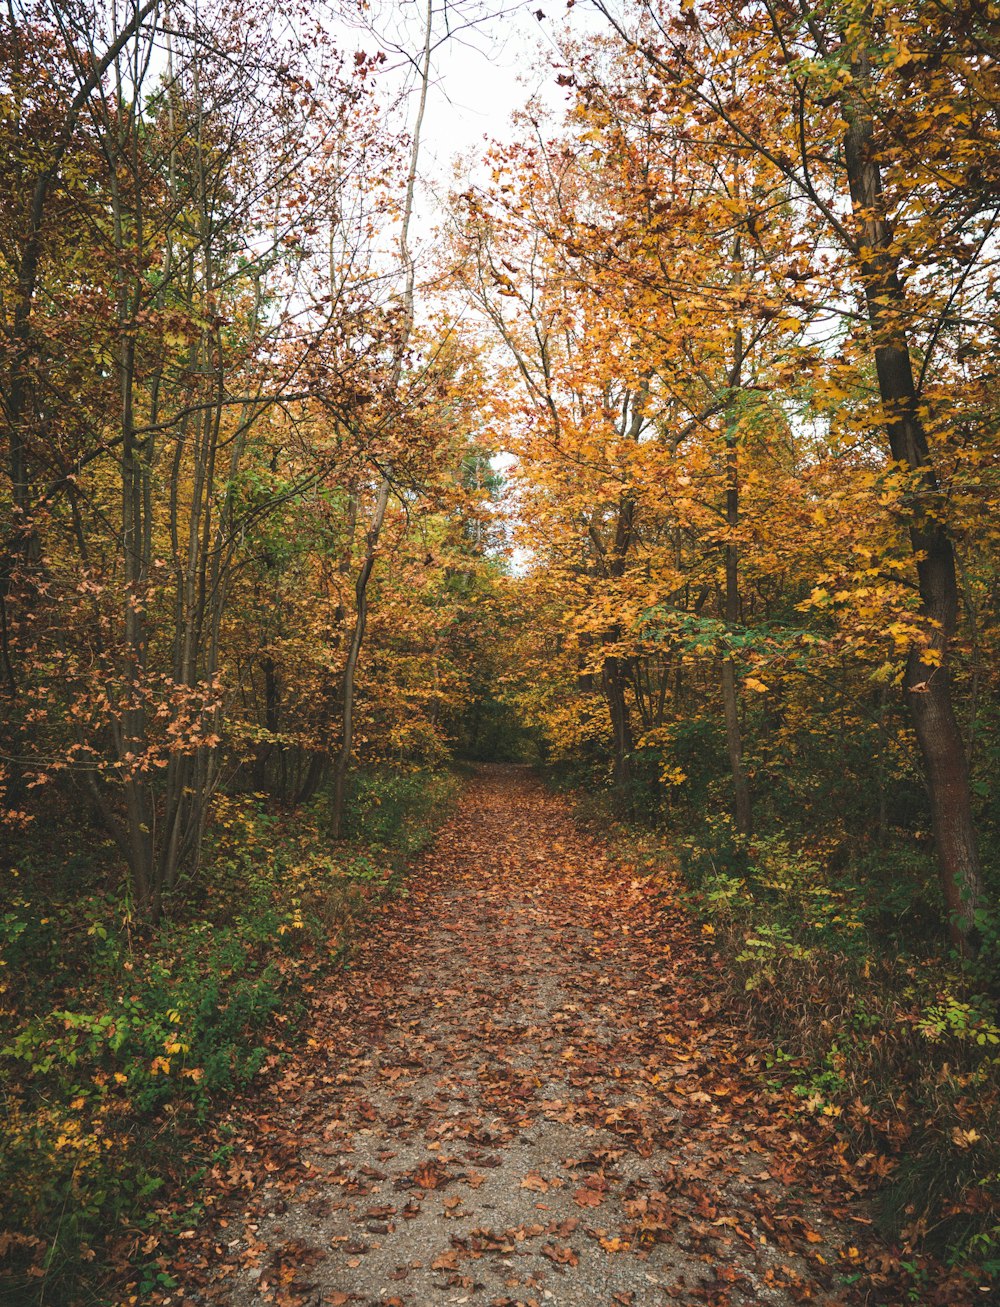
742	810
613	684
140	813
350	670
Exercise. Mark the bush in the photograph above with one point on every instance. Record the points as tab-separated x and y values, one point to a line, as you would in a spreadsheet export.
899	1049
117	1044
125	1031
397	811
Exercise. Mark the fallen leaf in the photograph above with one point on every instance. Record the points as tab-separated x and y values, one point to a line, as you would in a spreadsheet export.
536	1182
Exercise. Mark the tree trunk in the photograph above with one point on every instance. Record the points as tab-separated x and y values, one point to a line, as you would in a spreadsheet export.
614	690
343	762
926	681
266	750
742	811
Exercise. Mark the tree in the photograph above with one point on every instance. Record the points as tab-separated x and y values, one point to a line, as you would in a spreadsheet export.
647	361
178	329
882	110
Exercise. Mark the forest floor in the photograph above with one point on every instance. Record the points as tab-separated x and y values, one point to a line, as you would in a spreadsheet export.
529	1088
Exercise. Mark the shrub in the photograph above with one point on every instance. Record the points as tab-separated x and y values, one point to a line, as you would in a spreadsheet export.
898	1047
116	1043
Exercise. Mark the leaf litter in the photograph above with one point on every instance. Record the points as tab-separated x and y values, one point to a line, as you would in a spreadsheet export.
528	1089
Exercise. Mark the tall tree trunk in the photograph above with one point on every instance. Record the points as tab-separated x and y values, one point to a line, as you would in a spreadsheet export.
742	810
927	681
343	762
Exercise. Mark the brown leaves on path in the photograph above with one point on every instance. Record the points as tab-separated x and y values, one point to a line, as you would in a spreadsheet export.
527	1089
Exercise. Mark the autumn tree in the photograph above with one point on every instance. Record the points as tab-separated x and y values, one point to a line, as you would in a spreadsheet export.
648	364
170	295
877	121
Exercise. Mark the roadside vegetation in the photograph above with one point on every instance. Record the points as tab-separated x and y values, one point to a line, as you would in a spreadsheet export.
830	943
122	1043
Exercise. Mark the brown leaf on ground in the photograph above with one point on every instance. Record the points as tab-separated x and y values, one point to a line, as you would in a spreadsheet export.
560	1256
430	1174
572	1067
535	1182
447	1261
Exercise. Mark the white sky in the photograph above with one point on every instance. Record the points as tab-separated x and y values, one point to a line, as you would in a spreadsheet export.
482	80
481	74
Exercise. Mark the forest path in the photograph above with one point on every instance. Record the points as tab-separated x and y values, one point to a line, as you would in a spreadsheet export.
528	1090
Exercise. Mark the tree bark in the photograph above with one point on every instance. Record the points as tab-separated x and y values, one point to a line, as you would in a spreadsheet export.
926	681
613	682
343	762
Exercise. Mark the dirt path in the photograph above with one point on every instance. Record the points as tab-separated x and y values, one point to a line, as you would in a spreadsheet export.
526	1091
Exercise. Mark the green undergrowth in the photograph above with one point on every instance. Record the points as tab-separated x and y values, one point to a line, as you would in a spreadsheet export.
874	1027
397	813
118	1044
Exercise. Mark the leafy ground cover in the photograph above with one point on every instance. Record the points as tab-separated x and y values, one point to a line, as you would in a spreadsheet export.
878	1031
118	1045
534	1085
